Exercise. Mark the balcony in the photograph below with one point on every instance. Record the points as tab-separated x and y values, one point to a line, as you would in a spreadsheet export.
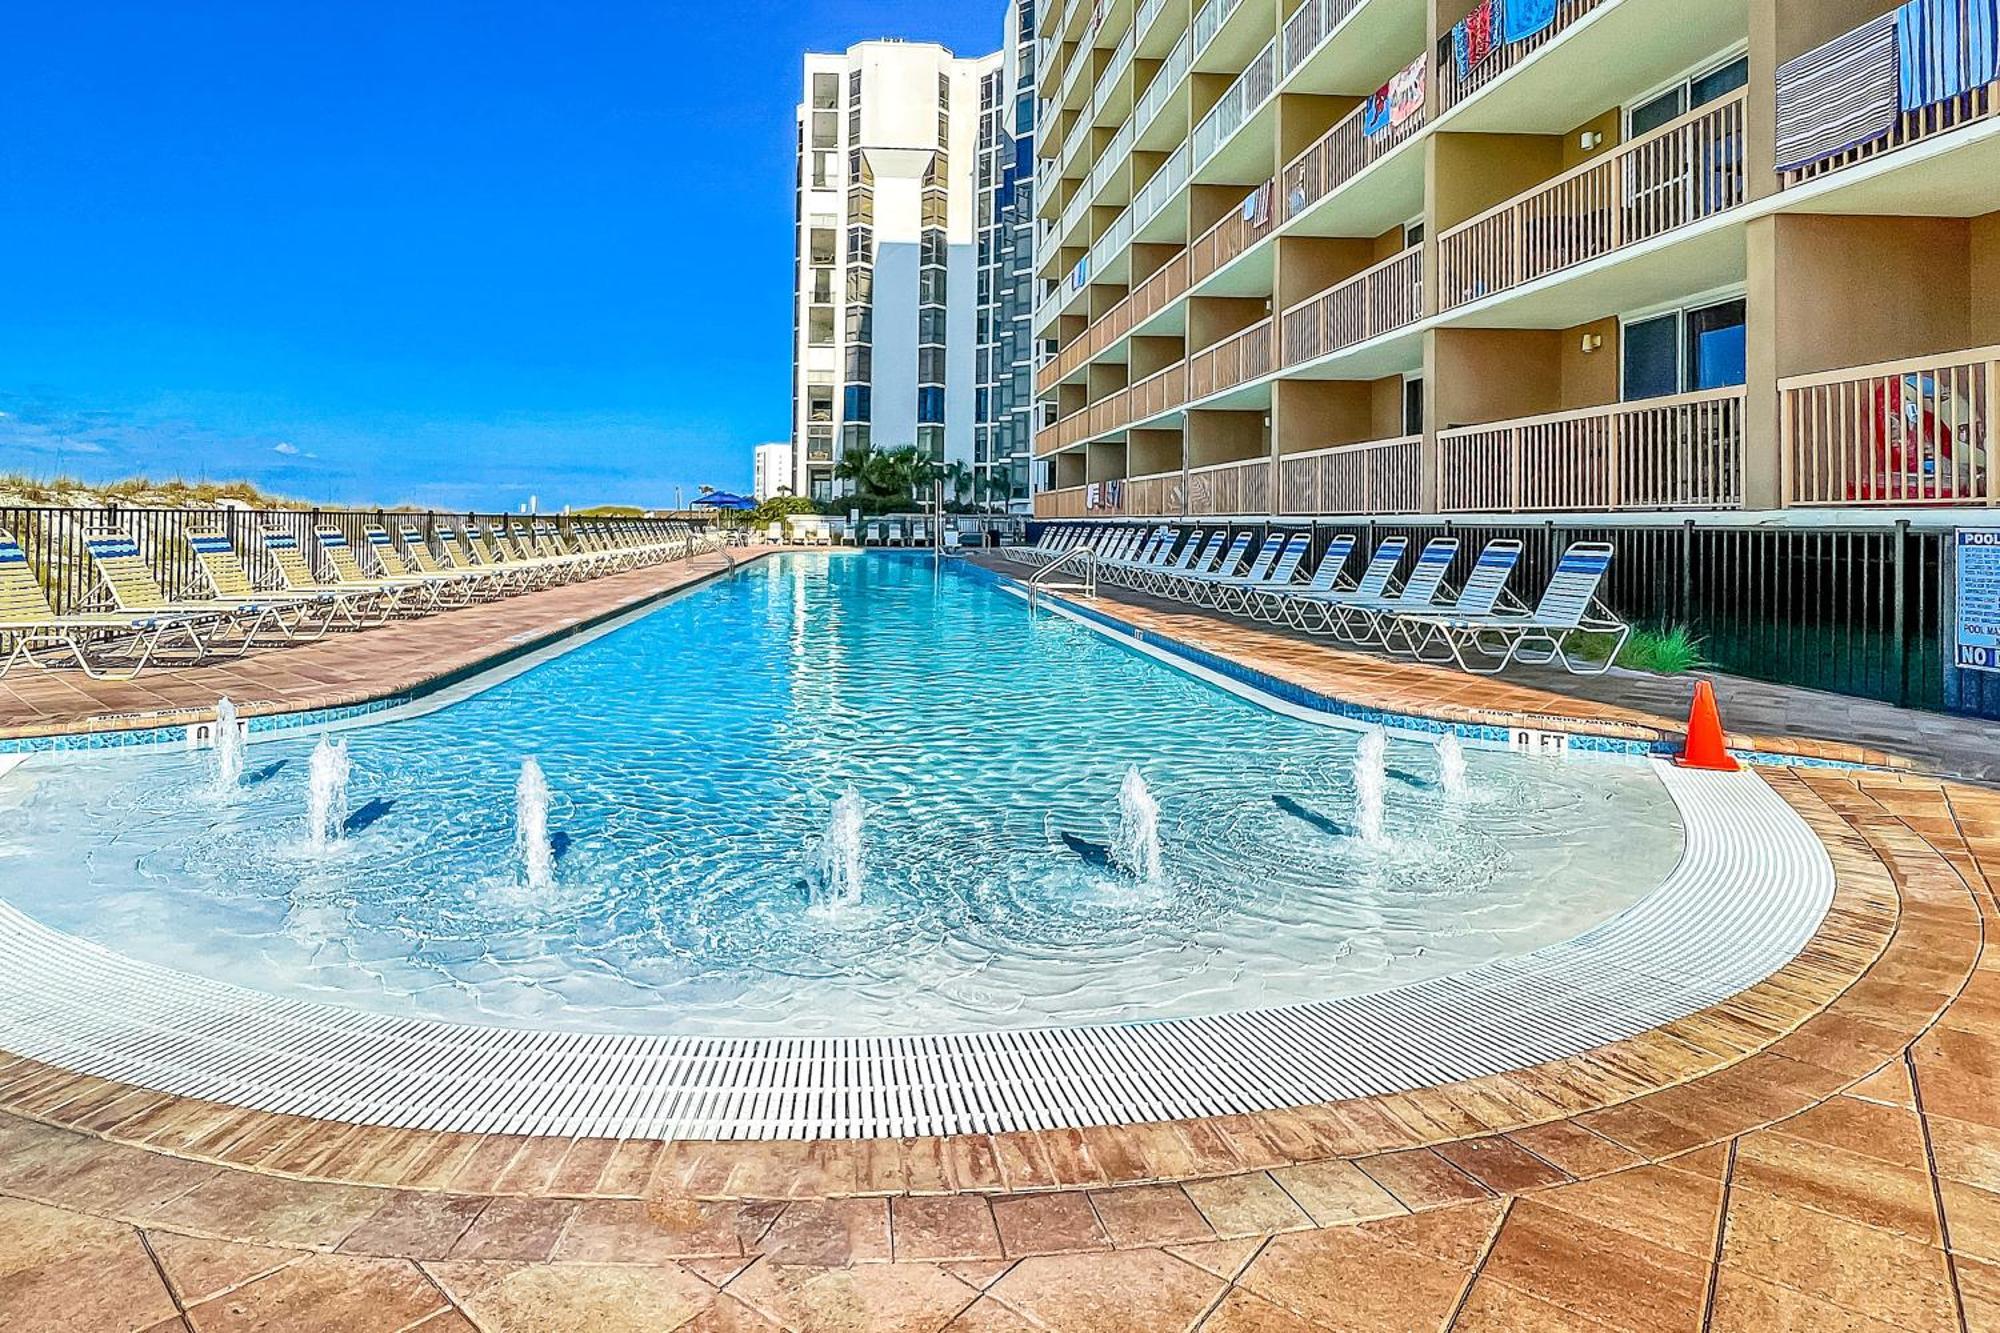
1156	293
1235	360
1684	452
1377	477
1379	300
1229	237
1914	432
1454	88
1230	488
1246	96
1153	396
1339	155
1679	174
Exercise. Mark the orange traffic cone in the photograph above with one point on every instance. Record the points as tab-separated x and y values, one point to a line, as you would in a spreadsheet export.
1706	747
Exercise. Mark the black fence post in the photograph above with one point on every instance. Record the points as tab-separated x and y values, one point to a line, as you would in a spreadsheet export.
1902	613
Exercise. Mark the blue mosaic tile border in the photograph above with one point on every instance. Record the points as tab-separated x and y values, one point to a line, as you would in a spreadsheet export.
1301	696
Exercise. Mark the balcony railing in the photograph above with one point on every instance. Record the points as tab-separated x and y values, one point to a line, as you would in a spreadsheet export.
1253	88
1379	300
1379	477
1341	154
1153	396
1453	89
1230	488
1172	70
1065	503
1233	361
1308	29
1208	21
1232	234
1915	432
1684	452
1150	297
1680	173
1975	104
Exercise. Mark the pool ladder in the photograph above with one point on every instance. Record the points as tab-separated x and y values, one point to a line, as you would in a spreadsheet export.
1041	583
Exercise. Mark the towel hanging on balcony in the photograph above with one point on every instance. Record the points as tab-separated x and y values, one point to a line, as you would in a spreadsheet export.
1472	36
1525	18
1406	92
1375	115
1839	96
1946	48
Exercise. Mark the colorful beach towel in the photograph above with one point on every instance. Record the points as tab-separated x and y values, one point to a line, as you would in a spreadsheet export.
1472	37
1946	48
1406	93
1375	114
1843	94
1525	18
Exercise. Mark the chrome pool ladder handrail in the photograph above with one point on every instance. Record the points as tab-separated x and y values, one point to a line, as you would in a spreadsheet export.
1040	582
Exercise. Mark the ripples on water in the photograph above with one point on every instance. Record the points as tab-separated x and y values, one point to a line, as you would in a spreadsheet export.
693	760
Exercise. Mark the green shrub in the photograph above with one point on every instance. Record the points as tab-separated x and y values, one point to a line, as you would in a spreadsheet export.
1672	651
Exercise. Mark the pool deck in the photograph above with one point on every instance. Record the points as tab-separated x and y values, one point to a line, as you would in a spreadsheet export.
1821	1152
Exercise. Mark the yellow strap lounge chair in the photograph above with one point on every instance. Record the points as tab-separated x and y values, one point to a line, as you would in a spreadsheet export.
40	637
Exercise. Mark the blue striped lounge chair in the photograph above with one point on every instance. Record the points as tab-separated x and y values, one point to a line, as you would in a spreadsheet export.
1312	610
105	645
1361	621
1268	603
1486	645
1485	592
1279	571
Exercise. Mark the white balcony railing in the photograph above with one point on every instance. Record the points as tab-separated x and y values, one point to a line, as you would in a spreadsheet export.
1680	173
1307	29
1684	452
1172	71
1253	88
1913	432
1208	21
1378	477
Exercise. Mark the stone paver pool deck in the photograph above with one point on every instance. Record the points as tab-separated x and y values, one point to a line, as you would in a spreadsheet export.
1821	1152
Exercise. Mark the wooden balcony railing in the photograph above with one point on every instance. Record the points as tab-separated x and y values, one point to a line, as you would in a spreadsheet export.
1156	293
1339	155
1379	300
1684	452
1680	173
1230	488
1233	361
1452	89
1065	503
1379	477
1232	234
1156	394
1915	432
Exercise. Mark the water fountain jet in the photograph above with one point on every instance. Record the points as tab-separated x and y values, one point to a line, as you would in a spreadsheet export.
1371	779
841	862
228	748
531	825
1137	846
1451	766
326	793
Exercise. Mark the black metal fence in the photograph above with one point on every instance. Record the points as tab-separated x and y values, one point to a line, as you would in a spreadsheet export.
54	540
1857	610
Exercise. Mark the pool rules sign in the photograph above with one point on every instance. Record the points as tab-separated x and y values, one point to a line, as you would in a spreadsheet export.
1979	599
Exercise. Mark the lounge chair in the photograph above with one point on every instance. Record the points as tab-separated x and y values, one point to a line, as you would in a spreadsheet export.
1484	593
1486	645
1313	609
1361	620
1268	603
229	580
31	625
1226	564
1237	595
1212	592
465	585
361	603
133	590
1195	550
409	594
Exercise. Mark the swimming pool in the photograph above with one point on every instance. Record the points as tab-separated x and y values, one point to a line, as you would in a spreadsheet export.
695	758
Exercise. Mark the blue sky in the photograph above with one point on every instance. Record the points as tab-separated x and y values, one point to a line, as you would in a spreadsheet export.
377	253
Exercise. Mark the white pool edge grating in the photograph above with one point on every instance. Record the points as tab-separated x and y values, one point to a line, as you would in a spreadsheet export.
1752	886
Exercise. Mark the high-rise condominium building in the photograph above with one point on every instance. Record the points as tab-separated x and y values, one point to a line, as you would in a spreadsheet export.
1003	443
888	266
1350	257
773	471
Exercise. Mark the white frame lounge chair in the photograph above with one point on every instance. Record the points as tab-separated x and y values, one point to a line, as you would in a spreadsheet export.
91	637
1268	604
1235	596
1569	606
1312	610
1485	592
1360	621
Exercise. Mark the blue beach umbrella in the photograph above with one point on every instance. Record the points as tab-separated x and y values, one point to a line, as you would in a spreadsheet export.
724	500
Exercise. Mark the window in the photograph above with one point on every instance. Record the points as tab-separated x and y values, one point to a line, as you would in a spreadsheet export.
930	404
820	329
1684	351
826	129
856	405
819	403
1685	96
930	439
1413	233
826	92
1413	405
930	365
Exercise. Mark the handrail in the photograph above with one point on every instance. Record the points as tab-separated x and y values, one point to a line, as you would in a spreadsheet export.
1040	582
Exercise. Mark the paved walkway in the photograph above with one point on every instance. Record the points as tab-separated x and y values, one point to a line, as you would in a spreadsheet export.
1821	1152
342	668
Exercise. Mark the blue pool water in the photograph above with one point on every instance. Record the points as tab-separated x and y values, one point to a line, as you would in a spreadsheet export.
694	757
